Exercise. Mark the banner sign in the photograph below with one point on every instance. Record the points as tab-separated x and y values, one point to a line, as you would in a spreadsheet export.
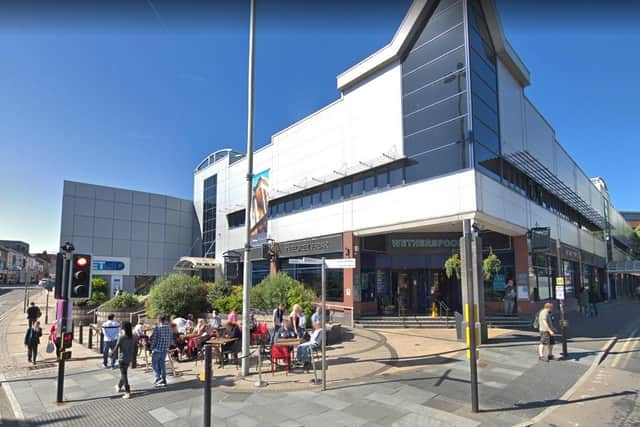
260	207
540	239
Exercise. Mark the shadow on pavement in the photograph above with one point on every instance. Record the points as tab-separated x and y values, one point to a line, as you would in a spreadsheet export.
556	402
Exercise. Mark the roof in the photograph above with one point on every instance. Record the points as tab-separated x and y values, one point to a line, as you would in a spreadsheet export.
411	25
631	215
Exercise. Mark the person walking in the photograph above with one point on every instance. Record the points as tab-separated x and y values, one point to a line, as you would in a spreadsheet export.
584	302
509	299
33	313
125	350
278	315
110	331
593	304
32	340
160	342
547	333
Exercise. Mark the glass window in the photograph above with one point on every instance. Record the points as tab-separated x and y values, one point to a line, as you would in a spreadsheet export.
443	18
488	161
455	82
455	130
336	192
288	206
481	111
369	183
382	179
484	70
306	201
486	136
445	65
436	114
347	189
297	203
357	187
434	48
316	198
482	90
436	163
326	196
396	177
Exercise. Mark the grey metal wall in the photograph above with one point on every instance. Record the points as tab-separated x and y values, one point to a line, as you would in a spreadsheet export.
153	230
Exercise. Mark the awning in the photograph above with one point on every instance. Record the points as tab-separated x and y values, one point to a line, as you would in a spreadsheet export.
629	267
196	263
528	164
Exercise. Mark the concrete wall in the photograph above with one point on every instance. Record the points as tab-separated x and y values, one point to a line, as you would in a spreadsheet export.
153	230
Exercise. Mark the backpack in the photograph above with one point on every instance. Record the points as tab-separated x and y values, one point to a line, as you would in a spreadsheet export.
536	321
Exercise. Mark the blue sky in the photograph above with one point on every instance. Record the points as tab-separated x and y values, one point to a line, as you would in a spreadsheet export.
137	101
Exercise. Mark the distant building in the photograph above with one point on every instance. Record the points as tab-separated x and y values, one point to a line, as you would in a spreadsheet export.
16	245
633	218
134	237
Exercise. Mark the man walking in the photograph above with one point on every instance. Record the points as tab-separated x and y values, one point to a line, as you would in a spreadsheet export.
278	315
160	342
111	332
593	301
509	298
547	333
33	313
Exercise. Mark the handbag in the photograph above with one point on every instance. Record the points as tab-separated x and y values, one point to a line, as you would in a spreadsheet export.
50	347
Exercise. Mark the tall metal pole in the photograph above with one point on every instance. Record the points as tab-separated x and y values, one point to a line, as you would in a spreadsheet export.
246	284
46	310
62	325
26	297
563	323
207	386
470	312
324	322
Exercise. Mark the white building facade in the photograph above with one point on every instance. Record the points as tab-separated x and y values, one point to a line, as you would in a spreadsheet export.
432	129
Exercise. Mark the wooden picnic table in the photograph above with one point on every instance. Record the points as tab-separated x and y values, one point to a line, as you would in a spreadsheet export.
220	342
289	342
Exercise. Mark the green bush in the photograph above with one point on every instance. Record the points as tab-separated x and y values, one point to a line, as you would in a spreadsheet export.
282	288
124	300
219	290
226	303
178	294
99	293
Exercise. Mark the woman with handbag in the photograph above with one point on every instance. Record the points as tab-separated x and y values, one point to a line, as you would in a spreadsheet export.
32	340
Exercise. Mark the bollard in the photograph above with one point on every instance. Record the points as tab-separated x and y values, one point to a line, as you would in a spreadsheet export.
90	345
260	383
80	333
101	346
207	385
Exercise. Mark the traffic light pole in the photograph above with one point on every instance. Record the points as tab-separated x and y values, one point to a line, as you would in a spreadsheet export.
62	325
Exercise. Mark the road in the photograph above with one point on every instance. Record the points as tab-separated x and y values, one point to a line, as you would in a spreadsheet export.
610	395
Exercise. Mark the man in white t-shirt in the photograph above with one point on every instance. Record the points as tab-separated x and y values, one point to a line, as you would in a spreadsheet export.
547	332
180	322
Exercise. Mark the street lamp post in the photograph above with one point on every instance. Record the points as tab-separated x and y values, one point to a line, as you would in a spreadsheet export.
246	284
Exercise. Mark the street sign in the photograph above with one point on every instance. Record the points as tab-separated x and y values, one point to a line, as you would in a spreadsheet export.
341	263
559	281
560	292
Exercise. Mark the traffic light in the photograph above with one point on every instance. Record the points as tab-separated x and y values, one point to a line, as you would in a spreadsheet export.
59	279
67	340
81	277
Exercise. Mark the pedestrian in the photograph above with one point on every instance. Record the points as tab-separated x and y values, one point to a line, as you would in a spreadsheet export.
547	333
278	315
110	332
126	353
593	304
584	302
302	325
216	320
139	336
53	335
32	340
509	298
317	316
233	316
294	319
33	313
160	342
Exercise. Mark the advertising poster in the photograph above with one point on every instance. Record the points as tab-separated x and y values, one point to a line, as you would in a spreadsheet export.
260	207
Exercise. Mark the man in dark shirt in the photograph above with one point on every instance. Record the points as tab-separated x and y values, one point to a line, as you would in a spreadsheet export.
33	313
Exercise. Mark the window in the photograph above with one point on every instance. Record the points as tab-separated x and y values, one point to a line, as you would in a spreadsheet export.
209	199
369	183
236	219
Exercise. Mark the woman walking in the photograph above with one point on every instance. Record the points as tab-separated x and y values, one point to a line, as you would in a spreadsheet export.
32	340
125	350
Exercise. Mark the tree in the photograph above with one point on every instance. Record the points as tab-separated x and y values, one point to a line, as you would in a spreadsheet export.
280	288
178	294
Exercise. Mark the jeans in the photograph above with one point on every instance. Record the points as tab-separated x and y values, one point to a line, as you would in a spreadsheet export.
109	346
124	379
508	306
32	352
159	365
593	309
304	352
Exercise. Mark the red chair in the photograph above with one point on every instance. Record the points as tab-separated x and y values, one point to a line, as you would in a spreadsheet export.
280	353
260	335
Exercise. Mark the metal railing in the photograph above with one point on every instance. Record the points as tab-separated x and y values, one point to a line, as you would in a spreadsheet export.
444	308
138	315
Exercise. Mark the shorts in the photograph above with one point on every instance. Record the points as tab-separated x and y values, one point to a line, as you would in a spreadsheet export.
547	339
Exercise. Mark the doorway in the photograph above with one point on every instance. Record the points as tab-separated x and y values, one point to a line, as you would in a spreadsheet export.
411	292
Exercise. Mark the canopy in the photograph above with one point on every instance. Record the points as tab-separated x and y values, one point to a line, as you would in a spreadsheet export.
624	267
196	263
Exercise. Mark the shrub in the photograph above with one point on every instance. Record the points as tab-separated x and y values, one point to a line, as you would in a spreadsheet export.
452	266
226	303
99	292
124	300
178	294
219	290
491	266
282	288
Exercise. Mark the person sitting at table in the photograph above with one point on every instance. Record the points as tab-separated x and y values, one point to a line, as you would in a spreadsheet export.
231	330
201	327
303	356
253	323
285	331
233	316
177	343
180	322
216	320
190	324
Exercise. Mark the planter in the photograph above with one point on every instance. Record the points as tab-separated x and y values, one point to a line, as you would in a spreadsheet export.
119	314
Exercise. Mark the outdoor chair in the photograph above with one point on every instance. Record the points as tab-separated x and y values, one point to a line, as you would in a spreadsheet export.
280	353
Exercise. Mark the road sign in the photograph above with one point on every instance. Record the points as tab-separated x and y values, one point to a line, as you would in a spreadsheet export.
559	281
560	292
341	263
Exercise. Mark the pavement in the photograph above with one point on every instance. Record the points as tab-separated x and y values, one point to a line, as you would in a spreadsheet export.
376	378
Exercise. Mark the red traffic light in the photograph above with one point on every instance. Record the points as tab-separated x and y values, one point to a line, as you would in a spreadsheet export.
82	261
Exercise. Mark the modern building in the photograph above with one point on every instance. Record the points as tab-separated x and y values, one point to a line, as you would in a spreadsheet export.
432	129
134	237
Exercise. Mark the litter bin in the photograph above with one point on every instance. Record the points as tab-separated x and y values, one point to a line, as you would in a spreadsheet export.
459	327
